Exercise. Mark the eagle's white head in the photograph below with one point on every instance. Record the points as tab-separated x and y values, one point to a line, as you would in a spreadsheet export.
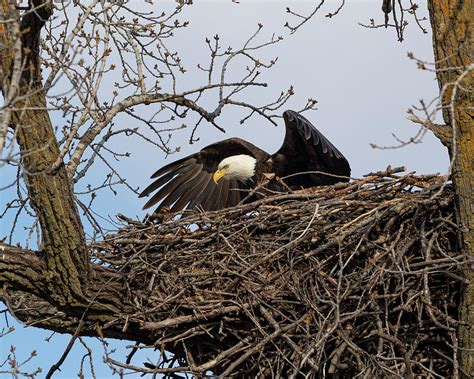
240	167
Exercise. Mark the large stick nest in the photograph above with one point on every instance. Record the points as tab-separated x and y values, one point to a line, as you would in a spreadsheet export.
358	279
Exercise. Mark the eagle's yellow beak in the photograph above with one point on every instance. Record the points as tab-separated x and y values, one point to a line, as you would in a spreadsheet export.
217	175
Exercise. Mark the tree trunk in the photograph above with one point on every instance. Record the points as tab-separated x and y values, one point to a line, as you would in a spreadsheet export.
49	191
451	21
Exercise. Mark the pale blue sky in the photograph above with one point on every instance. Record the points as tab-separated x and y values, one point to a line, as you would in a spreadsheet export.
362	79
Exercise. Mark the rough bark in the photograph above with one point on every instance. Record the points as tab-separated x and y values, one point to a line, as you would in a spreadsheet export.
23	287
49	191
451	21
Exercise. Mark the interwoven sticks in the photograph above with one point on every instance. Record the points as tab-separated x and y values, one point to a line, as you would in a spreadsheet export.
357	279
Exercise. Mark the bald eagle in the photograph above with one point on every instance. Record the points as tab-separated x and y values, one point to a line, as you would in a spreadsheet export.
223	174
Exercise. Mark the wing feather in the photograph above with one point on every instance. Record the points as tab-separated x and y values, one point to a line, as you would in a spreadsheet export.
201	198
181	190
173	166
193	189
222	200
164	179
175	183
211	202
306	149
234	194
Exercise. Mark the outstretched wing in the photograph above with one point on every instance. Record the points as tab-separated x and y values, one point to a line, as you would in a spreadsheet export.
187	183
305	149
